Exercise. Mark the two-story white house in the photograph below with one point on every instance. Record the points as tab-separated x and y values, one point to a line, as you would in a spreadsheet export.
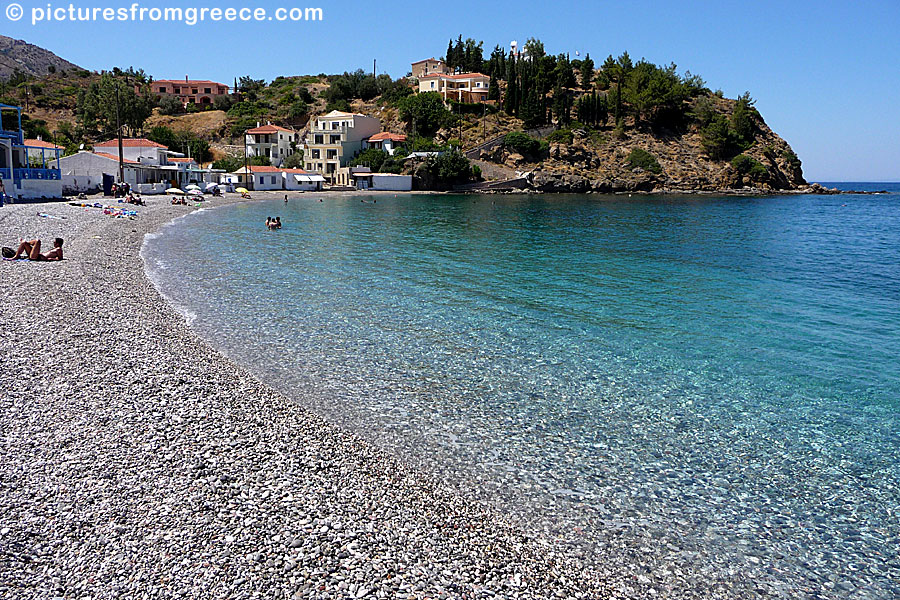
274	142
334	139
462	87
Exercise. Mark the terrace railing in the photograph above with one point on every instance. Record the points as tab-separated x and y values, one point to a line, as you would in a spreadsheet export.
5	173
31	173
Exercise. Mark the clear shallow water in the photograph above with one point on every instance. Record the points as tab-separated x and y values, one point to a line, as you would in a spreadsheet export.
702	392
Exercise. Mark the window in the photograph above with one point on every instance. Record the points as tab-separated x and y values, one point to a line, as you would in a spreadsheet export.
162	90
331	154
335	139
432	85
316	154
207	90
319	139
176	90
194	90
273	179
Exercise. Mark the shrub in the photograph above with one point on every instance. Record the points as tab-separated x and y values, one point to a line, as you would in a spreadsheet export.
792	160
445	170
747	165
522	143
643	159
371	157
560	136
170	105
229	163
248	108
716	138
260	161
298	109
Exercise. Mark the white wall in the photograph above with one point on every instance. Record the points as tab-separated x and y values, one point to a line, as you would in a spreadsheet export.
390	182
78	184
151	188
40	188
263	181
87	163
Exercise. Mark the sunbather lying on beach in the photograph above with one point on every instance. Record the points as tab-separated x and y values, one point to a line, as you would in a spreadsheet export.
31	249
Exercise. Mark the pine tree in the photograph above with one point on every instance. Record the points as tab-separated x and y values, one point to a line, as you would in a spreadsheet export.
587	72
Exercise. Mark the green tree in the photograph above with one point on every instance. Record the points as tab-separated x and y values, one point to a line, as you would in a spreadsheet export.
424	113
742	120
229	163
587	72
617	71
295	160
371	157
97	106
716	138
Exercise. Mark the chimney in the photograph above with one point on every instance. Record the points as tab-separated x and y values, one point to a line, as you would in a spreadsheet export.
185	78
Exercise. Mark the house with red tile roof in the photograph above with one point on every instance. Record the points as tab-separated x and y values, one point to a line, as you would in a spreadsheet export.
139	150
462	87
189	91
272	141
386	141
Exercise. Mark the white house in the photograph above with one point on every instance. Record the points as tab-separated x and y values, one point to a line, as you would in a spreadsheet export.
94	165
259	178
139	150
274	142
300	180
386	141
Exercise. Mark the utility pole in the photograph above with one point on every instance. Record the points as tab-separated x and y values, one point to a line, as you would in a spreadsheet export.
119	134
374	62
247	176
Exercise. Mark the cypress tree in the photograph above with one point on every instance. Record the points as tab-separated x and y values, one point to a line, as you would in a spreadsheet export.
450	55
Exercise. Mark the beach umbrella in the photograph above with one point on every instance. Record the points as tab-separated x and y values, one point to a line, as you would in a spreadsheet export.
174	191
193	186
242	190
211	186
196	192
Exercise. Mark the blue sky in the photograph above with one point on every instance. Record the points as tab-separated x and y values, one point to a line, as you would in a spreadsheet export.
826	75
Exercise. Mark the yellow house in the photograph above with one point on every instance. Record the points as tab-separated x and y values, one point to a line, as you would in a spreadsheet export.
463	87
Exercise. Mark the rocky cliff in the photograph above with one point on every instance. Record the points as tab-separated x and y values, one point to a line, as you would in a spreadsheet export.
598	160
16	55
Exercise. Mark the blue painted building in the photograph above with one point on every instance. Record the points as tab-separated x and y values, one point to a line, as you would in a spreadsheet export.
27	171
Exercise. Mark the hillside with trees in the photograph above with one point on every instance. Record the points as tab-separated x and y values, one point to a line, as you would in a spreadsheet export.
571	124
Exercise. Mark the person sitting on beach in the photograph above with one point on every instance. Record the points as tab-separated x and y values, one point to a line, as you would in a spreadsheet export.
31	249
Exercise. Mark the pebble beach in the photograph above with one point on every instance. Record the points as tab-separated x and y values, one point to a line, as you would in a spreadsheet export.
137	462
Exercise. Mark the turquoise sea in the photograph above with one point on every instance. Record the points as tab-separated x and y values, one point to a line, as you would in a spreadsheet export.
688	388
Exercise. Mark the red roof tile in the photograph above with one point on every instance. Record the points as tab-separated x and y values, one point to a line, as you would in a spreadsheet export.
262	169
116	158
41	144
269	129
189	82
131	143
385	135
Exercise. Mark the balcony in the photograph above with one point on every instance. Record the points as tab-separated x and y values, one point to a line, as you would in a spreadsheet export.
5	173
31	173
